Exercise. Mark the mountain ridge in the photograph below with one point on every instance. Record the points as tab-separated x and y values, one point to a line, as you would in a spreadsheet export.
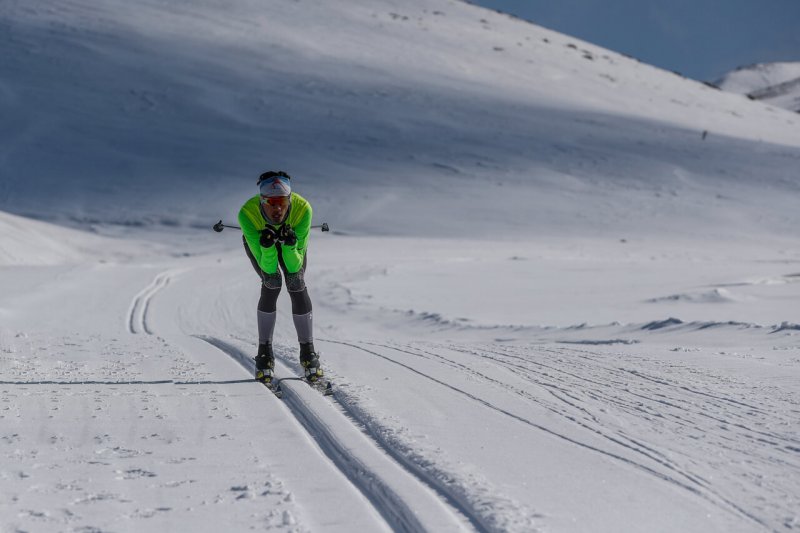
776	84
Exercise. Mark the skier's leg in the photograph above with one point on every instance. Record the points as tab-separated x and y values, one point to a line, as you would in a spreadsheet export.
301	302
266	314
303	319
301	311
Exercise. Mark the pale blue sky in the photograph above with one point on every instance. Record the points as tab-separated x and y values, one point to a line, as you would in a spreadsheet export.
702	39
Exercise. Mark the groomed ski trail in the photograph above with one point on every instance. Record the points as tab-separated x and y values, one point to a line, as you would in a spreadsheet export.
644	458
405	501
137	312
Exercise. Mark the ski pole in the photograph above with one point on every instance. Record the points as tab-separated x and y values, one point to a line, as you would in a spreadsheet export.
219	226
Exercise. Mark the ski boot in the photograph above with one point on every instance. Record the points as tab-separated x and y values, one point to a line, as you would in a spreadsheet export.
265	363
310	361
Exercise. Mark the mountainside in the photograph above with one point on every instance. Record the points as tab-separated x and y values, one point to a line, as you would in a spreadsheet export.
29	242
559	294
777	84
166	111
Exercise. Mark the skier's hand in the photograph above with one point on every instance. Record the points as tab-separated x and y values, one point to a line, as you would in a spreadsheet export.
287	236
268	237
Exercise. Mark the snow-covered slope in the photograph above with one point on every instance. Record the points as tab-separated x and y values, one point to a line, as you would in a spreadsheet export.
29	242
777	84
587	323
165	111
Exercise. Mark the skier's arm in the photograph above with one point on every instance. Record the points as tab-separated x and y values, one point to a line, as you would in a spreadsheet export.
251	235
267	258
293	255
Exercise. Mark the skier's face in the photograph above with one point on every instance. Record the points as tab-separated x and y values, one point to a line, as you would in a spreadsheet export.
275	208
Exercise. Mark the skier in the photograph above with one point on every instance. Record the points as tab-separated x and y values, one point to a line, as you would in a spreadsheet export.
276	223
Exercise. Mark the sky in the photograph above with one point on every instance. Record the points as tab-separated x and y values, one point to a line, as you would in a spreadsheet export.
702	39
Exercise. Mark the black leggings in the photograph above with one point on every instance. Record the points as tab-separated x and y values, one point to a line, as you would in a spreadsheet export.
301	302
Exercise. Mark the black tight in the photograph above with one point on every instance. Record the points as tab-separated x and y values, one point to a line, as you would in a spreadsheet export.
301	302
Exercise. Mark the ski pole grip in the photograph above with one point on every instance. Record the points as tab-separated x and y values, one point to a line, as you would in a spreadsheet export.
219	226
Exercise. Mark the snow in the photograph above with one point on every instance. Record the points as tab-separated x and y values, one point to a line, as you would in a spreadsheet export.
160	113
559	294
775	83
30	242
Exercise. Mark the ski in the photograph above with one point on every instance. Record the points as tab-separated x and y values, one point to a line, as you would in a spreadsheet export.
274	388
324	387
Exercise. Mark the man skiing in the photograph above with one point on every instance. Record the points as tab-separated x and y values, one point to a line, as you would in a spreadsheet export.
276	224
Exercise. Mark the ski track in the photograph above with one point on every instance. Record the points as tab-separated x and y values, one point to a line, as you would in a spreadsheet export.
461	494
363	462
137	312
438	483
666	406
549	431
580	386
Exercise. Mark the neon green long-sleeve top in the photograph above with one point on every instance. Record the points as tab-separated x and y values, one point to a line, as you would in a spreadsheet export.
252	221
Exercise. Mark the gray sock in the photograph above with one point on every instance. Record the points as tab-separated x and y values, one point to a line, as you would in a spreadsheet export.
304	325
266	326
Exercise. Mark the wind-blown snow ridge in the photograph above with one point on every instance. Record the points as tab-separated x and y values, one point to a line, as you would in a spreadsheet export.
786	326
606	342
717	295
437	323
677	324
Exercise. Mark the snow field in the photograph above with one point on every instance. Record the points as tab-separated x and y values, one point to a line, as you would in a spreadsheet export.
560	294
144	417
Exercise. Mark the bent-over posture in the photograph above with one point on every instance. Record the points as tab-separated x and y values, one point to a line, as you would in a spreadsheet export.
276	224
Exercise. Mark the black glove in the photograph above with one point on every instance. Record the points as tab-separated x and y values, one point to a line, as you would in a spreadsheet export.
268	237
287	236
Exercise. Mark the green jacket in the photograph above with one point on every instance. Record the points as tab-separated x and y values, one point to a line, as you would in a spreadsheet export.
252	222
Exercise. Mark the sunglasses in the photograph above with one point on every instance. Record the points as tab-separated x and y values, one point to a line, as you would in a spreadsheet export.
276	201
